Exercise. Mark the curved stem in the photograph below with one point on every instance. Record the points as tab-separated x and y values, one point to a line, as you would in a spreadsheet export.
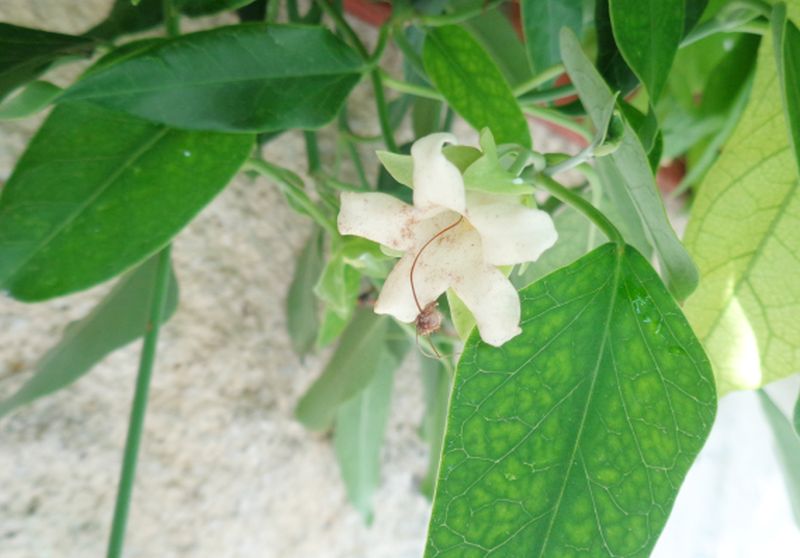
539	79
557	118
568	196
139	406
410	88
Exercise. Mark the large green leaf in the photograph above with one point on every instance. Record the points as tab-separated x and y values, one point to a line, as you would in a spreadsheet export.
610	63
27	53
302	312
96	192
637	188
648	33
744	233
121	317
248	77
577	433
542	21
496	33
357	358
360	427
473	85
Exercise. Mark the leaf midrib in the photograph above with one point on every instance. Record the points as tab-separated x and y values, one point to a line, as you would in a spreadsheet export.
72	216
619	252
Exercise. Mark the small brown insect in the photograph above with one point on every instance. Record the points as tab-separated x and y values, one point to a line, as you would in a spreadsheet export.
429	320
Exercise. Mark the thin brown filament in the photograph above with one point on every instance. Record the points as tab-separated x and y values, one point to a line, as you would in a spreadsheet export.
437	356
416	259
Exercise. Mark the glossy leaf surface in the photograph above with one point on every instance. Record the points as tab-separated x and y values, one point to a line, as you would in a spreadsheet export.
97	192
744	233
630	162
648	33
27	53
473	85
242	78
120	318
578	432
542	21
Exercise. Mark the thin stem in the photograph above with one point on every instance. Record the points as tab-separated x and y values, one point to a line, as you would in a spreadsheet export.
458	17
410	88
139	406
312	151
171	18
408	51
539	79
383	111
273	11
547	95
344	27
557	118
568	196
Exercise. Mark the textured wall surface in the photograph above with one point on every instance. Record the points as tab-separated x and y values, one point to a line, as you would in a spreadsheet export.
225	471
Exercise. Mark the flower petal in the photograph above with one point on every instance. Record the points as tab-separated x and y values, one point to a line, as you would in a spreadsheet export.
437	267
510	232
378	217
493	301
437	181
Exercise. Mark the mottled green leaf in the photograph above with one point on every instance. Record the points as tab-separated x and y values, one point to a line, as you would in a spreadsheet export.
542	21
96	192
744	233
27	53
302	312
473	85
648	33
120	318
788	449
352	367
577	433
243	78
637	188
36	96
359	432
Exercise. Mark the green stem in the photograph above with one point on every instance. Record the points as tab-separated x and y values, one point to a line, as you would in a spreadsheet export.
312	151
273	11
547	95
568	196
539	79
410	88
139	406
557	118
171	18
383	111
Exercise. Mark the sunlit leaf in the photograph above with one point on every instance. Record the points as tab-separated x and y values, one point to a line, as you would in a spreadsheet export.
97	192
744	233
630	181
578	432
648	33
273	77
121	317
473	85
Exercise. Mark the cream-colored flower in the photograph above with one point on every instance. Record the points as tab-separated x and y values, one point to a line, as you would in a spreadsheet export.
452	238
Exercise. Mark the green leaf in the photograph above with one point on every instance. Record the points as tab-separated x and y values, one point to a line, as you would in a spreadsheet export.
637	188
436	385
648	33
361	352
796	416
577	433
339	284
494	31
26	53
473	85
400	167
120	318
542	21
788	449
273	77
36	96
359	432
486	174
125	18
426	116
744	233
302	315
610	63
331	327
463	320
96	192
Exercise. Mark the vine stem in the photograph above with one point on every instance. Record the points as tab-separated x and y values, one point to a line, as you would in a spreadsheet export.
569	197
371	61
139	406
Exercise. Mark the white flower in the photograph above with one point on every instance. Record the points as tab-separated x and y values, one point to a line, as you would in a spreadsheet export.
457	237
